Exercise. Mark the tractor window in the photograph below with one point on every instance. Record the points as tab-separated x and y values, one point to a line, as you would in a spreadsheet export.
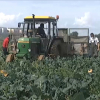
30	25
25	27
53	30
45	27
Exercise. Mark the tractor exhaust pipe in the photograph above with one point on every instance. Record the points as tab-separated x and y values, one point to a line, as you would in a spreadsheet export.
33	24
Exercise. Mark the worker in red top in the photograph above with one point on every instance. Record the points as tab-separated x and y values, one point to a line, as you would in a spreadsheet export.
5	45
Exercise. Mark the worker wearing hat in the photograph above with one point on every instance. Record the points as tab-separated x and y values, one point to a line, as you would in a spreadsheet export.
94	45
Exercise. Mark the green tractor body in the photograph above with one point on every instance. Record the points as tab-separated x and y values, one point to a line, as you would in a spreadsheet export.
28	47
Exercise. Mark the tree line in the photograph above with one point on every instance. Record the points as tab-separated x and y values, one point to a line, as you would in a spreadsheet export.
75	34
98	36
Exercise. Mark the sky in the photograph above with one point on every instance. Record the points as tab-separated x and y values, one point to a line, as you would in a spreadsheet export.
72	14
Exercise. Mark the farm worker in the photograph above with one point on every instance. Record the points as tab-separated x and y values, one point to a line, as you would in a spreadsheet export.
40	31
5	45
94	45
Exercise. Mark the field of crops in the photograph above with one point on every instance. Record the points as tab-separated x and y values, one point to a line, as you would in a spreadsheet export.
59	79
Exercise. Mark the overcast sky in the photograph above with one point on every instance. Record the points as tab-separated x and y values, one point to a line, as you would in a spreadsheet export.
72	14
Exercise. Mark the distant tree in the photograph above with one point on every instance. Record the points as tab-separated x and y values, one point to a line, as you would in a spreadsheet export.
98	36
75	33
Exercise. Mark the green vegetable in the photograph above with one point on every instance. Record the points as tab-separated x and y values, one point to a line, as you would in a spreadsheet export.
59	79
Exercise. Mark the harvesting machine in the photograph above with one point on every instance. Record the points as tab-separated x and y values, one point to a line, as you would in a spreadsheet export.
32	46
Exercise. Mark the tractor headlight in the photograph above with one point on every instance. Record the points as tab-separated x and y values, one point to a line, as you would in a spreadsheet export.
17	50
29	50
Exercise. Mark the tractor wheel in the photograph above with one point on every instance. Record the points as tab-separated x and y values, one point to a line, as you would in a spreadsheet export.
56	48
10	58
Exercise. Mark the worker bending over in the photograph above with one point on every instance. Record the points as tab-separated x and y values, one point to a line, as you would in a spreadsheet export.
40	31
5	45
94	45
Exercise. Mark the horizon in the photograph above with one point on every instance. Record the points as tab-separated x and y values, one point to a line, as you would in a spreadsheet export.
72	14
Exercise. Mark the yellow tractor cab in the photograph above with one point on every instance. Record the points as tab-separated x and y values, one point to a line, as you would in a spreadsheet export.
30	24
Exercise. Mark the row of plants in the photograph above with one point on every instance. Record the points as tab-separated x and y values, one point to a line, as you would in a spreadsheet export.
50	79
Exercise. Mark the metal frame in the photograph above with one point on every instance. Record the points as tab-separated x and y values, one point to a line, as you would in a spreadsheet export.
65	29
82	36
79	29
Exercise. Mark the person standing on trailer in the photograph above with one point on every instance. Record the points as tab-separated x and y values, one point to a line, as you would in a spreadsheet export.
94	45
5	45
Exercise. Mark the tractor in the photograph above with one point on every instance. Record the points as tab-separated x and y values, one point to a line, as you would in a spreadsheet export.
31	45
